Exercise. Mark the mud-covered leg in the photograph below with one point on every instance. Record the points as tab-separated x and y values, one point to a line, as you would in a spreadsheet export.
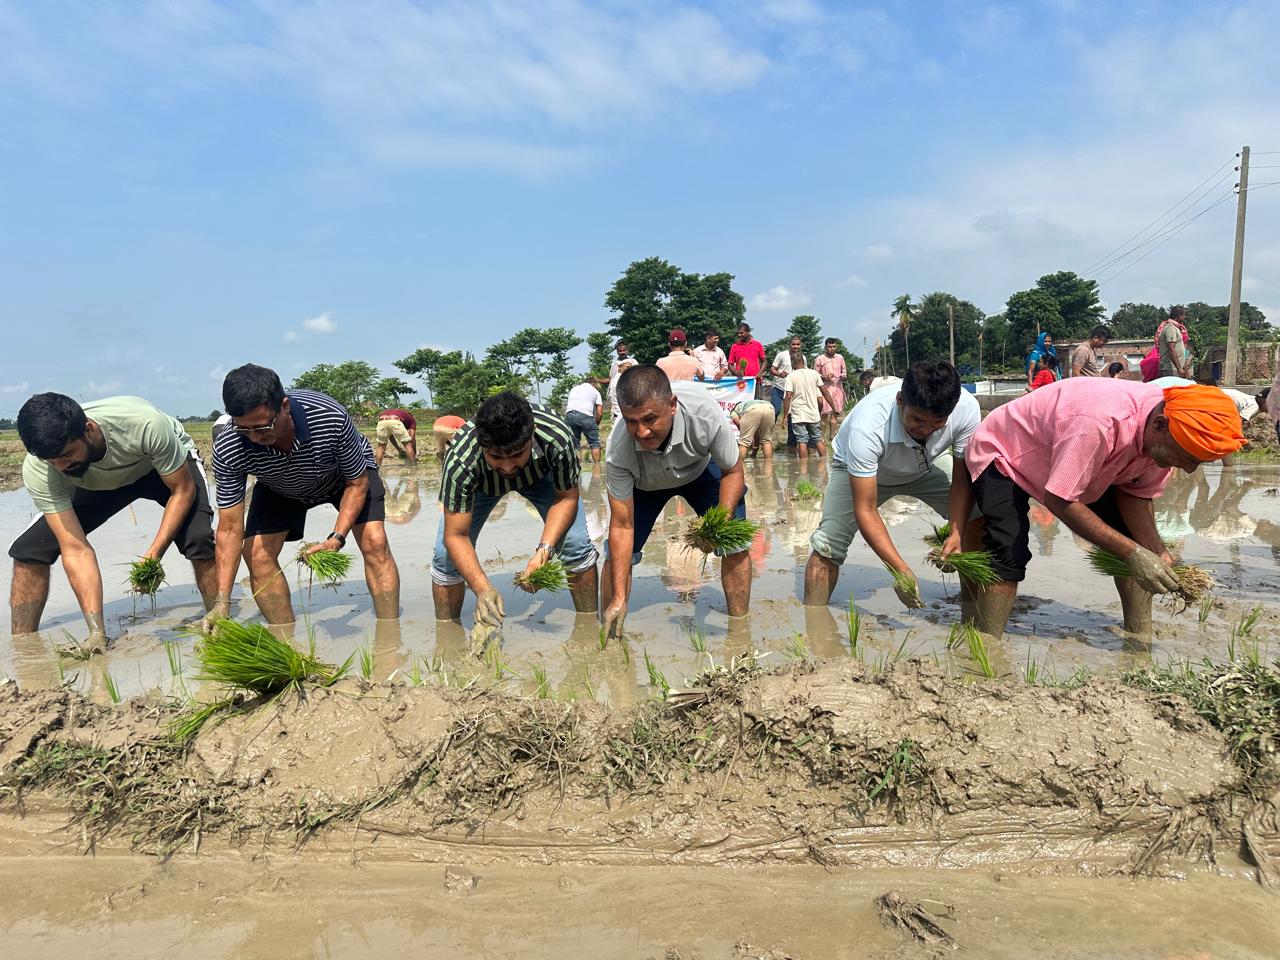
448	600
1136	604
993	606
584	588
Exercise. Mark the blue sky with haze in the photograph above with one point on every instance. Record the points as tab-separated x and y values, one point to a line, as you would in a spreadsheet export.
187	185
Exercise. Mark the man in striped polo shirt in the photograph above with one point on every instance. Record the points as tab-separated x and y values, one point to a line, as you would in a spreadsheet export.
305	450
511	446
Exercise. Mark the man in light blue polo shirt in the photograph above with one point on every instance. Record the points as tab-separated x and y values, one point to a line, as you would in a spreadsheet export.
886	448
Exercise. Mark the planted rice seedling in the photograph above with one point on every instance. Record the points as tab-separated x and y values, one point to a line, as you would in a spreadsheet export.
551	576
174	654
366	661
1249	621
854	618
939	535
1194	583
146	576
973	565
722	532
901	770
1206	607
807	490
543	691
187	724
970	637
73	649
797	648
656	679
604	637
109	684
330	567
248	656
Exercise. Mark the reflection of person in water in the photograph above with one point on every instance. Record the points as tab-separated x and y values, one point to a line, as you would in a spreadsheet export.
1046	528
1219	517
403	500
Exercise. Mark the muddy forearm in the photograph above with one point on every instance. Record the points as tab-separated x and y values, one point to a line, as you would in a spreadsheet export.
1139	517
1085	523
85	577
621	543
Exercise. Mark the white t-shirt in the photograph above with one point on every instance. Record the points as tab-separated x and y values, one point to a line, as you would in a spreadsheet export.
880	382
873	442
615	371
783	362
803	386
584	398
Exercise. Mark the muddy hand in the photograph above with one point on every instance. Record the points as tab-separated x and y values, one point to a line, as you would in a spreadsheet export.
1152	573
490	609
221	610
909	594
952	543
615	616
538	559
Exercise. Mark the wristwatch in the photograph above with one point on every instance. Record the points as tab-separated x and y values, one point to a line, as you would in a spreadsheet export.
340	537
543	546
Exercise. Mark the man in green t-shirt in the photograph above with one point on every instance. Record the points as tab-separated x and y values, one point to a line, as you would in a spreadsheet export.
83	466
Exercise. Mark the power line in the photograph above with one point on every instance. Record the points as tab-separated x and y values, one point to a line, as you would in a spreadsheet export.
1170	229
1184	224
1101	263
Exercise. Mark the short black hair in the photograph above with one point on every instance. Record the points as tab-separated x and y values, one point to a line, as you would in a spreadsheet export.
1050	361
1177	313
1262	397
640	384
932	387
830	340
797	359
744	326
1115	367
866	376
48	422
621	343
1102	332
504	422
250	386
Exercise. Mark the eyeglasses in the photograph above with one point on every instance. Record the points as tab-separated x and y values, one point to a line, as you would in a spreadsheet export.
266	428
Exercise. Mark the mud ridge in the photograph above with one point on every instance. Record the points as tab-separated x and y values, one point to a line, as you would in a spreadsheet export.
834	763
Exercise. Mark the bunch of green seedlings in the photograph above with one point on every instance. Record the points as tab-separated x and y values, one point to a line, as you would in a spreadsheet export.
146	576
906	584
330	567
973	565
970	637
551	576
806	490
1194	583
721	531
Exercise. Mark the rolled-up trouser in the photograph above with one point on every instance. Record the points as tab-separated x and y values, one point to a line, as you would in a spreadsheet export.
1003	506
776	396
837	528
576	549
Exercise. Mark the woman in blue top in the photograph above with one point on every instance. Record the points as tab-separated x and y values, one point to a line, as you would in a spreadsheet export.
1043	348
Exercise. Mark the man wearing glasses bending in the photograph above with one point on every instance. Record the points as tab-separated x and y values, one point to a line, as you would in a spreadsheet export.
305	450
886	448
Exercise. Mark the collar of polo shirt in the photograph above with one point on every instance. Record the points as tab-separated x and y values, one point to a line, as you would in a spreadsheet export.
301	432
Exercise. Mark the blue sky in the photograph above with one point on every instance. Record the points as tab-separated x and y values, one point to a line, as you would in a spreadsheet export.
186	185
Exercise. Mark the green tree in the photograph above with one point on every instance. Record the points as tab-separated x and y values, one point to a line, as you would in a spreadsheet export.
1207	326
463	383
1136	321
354	384
904	312
1078	303
653	297
1030	312
426	364
804	326
996	346
930	330
601	357
532	352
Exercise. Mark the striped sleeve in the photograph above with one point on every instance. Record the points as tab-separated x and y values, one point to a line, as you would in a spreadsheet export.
557	438
458	478
229	472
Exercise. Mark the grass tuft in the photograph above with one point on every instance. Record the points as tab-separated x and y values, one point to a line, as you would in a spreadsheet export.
330	567
721	531
551	576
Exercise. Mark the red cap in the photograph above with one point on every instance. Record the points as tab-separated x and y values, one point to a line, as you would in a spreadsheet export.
676	336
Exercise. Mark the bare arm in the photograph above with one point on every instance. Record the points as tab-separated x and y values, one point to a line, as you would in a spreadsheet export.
81	564
959	505
866	513
230	542
457	540
560	517
182	494
826	395
733	484
599	412
353	496
1138	517
622	539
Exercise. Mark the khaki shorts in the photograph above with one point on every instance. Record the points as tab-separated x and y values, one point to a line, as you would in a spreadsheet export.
391	428
444	435
755	427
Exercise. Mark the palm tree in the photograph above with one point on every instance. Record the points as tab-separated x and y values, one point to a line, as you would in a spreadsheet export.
904	311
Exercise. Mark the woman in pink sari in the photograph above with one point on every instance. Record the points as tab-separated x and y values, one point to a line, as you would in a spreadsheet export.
830	367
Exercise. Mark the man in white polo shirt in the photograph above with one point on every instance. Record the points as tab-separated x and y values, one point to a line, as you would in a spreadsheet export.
886	448
677	442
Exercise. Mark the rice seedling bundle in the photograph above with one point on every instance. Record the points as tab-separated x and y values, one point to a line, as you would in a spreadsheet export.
974	565
146	576
939	535
806	490
330	567
1194	583
906	584
721	531
551	576
248	656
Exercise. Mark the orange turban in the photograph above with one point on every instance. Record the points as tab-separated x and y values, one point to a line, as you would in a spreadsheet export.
1204	421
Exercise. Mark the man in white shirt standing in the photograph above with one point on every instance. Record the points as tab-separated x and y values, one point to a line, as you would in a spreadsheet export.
711	358
778	373
621	362
885	448
582	412
800	406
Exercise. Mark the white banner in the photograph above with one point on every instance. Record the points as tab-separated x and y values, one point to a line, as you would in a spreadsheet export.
730	391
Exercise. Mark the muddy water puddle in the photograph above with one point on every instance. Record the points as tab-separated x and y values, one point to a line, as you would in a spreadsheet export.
136	908
1226	519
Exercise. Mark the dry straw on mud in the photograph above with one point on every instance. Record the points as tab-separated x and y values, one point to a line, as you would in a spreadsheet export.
721	531
1194	583
551	576
330	567
146	576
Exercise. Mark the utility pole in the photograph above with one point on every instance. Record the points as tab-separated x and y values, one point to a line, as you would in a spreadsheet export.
1237	272
951	327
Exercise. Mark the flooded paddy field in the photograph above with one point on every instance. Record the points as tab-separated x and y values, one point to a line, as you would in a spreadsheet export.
856	807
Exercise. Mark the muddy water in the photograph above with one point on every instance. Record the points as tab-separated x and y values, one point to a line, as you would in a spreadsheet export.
139	909
1226	519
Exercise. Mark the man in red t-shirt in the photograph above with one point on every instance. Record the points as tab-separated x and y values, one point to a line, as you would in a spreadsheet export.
746	356
401	429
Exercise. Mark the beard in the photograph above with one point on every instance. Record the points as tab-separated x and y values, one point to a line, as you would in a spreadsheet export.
79	469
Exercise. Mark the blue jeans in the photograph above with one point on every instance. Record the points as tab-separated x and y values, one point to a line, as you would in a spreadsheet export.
583	426
775	397
702	494
576	549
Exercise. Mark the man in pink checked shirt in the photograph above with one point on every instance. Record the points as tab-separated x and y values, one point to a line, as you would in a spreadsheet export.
1095	452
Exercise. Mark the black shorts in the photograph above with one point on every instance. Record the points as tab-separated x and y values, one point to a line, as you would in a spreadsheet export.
1004	508
271	512
93	508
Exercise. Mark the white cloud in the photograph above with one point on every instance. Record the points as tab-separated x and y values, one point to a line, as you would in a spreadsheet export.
291	336
878	251
15	387
319	324
780	298
853	280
